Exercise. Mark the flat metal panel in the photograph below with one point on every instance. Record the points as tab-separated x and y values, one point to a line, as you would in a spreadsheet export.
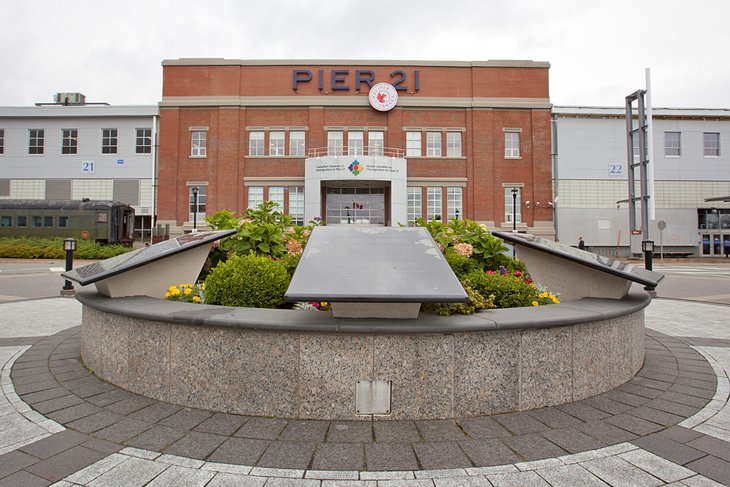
372	397
373	264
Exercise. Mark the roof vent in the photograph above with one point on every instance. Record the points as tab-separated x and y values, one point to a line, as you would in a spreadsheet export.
70	98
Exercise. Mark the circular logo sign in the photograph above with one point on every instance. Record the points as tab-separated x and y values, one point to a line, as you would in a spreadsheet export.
383	97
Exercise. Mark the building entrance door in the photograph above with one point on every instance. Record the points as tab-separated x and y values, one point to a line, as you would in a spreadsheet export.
348	203
714	244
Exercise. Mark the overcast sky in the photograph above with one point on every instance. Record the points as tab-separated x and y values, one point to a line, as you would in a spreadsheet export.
598	50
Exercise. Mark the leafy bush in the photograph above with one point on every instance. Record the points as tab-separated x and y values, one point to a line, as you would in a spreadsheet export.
509	290
476	302
52	248
460	264
251	281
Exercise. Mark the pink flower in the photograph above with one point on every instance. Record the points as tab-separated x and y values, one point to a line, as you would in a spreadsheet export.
518	273
293	247
490	272
464	249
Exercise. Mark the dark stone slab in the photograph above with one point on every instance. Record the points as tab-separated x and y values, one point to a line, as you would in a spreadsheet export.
350	432
606	432
635	425
485	453
14	461
186	418
395	432
54	444
369	264
483	427
41	396
65	463
440	430
293	454
390	456
24	479
437	455
520	423
669	449
130	405
123	430
656	416
157	438
714	446
583	411
73	413
314	431
339	456
712	467
261	428
196	445
156	412
241	451
572	440
102	446
222	424
109	397
533	447
95	422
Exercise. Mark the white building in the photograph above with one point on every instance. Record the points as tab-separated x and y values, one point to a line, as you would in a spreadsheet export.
691	164
75	150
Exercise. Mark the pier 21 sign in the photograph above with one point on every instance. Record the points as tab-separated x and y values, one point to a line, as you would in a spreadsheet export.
340	79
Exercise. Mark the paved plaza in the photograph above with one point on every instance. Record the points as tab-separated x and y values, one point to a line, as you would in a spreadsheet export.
60	425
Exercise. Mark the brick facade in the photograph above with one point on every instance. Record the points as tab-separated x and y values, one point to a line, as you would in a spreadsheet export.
482	101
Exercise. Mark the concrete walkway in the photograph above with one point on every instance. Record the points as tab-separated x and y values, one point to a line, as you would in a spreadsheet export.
59	425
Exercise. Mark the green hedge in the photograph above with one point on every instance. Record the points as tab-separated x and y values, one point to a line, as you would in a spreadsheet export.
52	248
250	281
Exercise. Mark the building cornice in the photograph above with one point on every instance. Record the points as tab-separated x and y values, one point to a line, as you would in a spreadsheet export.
351	101
496	63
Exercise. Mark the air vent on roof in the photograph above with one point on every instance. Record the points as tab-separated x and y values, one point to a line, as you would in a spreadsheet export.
70	98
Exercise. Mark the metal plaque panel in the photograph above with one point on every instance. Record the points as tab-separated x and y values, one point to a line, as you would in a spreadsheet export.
104	269
372	397
373	264
606	264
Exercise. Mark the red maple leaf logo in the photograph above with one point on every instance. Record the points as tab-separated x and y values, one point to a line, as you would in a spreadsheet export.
382	96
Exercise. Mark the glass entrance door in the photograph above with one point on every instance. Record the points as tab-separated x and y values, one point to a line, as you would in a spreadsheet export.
358	205
714	243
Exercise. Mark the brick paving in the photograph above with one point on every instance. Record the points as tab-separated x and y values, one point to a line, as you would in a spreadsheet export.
636	434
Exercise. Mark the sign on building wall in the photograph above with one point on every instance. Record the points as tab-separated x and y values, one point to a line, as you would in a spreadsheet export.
616	169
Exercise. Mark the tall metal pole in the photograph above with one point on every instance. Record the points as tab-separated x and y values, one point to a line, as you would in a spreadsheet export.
195	208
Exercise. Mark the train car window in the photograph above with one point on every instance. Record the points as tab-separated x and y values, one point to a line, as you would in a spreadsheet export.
102	217
63	221
36	221
6	221
22	221
47	221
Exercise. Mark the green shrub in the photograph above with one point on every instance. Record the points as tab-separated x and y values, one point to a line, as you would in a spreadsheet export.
460	264
52	248
250	281
476	302
509	290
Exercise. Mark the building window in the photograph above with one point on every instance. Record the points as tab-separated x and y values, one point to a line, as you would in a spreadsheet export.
276	143
22	221
712	144
434	205
198	143
108	141
454	203
255	196
334	143
453	144
6	221
144	141
296	143
47	221
512	145
62	221
276	195
672	144
415	205
413	144
69	141
376	146
36	221
2	141
256	143
296	204
36	141
508	202
433	144
355	143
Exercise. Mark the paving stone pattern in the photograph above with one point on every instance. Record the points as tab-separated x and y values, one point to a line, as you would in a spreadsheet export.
669	425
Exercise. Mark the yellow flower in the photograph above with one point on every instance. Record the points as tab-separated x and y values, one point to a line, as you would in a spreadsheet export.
555	300
535	303
196	299
188	291
172	288
323	303
167	294
544	294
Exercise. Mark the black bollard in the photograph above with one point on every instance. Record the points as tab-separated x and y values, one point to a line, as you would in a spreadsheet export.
69	245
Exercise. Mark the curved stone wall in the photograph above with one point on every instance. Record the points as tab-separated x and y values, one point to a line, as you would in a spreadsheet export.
305	364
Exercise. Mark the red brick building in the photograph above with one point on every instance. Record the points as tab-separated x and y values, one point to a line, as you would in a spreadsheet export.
358	142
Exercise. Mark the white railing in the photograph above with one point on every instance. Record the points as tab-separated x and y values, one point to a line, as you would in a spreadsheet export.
355	151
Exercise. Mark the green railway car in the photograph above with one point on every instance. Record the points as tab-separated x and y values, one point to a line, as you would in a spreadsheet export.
104	221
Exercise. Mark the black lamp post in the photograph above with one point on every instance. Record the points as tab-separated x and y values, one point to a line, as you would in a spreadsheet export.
195	208
456	212
69	245
514	209
648	247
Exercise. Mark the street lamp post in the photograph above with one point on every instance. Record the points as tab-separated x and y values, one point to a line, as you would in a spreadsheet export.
514	215
195	208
